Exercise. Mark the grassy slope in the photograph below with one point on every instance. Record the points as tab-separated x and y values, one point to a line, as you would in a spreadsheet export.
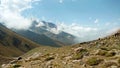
12	44
67	57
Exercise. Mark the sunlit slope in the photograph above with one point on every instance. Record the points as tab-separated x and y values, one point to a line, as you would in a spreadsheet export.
100	53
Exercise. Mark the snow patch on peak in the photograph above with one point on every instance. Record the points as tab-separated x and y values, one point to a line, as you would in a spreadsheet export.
51	27
54	30
40	24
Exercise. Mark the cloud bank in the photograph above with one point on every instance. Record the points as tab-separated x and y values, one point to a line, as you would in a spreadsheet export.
80	32
75	29
11	13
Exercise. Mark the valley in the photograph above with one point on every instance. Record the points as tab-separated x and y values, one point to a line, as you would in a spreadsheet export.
59	33
100	53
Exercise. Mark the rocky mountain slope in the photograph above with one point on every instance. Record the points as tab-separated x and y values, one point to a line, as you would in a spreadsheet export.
52	31
47	33
100	53
39	38
12	44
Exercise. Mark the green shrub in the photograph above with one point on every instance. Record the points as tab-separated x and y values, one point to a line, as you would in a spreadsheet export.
79	55
94	61
110	54
102	52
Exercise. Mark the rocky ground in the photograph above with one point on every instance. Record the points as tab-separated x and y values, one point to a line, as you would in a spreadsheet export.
101	53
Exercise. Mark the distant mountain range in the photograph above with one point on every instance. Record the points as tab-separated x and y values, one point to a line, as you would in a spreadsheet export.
46	33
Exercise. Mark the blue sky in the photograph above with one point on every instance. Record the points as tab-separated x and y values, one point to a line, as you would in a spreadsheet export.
83	12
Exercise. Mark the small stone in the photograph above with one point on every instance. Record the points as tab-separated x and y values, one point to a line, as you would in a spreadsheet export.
74	61
114	67
68	57
19	58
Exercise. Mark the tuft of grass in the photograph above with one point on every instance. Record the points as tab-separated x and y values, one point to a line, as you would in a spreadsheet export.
77	56
104	48
94	61
106	53
108	64
49	58
110	54
102	52
16	66
80	54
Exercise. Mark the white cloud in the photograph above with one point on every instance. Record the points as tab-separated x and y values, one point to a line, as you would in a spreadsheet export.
10	13
15	20
76	29
113	30
54	30
82	33
61	1
40	24
96	21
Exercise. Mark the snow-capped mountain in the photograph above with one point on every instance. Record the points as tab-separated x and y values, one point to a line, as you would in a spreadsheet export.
51	30
42	26
47	33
